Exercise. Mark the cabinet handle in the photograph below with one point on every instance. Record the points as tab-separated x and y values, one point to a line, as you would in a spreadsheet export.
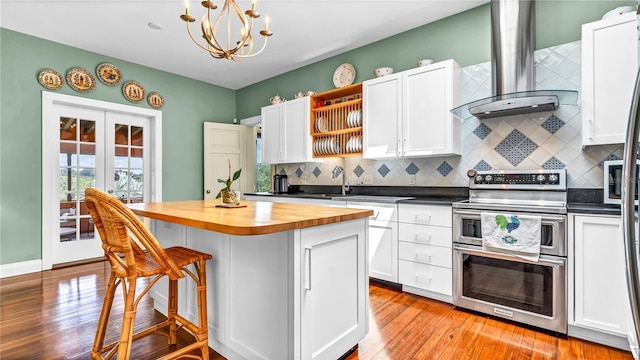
424	277
423	237
307	269
592	128
420	254
375	216
399	148
404	146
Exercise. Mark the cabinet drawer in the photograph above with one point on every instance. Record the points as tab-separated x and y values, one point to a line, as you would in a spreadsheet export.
425	214
425	234
425	254
427	277
381	212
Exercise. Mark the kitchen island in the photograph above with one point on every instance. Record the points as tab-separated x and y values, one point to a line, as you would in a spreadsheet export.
286	281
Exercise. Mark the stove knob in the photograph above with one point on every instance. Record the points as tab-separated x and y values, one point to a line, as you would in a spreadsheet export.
488	178
541	178
479	178
553	178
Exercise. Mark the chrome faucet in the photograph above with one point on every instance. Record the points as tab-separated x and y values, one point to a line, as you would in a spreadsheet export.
336	171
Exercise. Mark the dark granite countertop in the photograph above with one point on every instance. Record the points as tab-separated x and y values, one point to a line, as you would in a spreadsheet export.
583	201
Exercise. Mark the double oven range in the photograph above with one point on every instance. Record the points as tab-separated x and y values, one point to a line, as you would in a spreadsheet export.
504	285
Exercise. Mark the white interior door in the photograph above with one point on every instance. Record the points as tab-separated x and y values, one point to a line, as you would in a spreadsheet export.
223	144
80	166
91	146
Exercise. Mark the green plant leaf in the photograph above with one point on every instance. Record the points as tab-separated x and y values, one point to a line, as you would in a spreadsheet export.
219	194
236	175
222	181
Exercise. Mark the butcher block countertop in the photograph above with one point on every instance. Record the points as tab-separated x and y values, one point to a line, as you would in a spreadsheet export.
254	219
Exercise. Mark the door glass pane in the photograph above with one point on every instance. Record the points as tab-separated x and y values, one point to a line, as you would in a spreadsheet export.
122	134
67	128
263	171
128	164
136	136
77	172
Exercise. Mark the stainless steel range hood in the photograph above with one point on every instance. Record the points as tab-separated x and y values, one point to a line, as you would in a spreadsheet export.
512	67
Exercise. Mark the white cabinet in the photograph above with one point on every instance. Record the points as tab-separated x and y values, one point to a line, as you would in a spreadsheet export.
334	295
425	250
600	292
609	67
383	240
285	132
408	114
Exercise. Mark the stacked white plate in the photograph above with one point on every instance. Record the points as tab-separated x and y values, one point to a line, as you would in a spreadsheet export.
354	118
322	125
354	144
327	146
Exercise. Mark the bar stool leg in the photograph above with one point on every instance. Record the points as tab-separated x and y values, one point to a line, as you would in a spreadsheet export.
128	320
109	295
172	311
202	308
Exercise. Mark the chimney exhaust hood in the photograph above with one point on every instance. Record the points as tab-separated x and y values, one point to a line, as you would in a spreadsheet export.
512	67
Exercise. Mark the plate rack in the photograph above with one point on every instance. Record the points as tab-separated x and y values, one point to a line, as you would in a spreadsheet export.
336	122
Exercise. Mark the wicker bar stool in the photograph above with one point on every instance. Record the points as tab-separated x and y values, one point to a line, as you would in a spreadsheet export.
143	257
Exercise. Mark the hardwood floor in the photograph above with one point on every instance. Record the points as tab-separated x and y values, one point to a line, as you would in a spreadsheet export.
53	314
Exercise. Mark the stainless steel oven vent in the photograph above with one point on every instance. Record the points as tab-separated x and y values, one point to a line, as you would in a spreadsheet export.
512	66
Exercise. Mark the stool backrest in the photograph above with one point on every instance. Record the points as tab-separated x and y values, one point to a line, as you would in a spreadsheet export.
114	221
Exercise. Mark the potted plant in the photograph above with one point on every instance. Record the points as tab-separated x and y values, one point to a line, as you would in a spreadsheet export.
228	196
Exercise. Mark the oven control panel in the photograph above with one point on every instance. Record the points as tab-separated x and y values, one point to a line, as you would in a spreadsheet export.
518	179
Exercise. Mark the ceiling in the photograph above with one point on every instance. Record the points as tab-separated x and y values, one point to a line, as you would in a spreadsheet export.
305	31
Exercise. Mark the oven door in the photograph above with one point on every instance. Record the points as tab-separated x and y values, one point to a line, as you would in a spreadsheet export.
467	229
532	293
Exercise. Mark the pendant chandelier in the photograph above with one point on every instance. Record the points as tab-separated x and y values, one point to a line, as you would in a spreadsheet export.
229	36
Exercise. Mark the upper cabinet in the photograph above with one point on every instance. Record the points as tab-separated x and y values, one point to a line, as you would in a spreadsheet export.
285	132
609	66
408	114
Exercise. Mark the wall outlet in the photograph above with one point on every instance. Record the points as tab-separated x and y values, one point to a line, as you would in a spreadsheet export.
412	179
367	179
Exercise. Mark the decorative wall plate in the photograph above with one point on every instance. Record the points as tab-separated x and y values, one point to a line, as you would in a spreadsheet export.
344	75
50	79
155	100
133	91
80	80
108	74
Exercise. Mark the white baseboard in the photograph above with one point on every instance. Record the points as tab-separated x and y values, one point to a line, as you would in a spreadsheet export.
616	341
427	293
20	268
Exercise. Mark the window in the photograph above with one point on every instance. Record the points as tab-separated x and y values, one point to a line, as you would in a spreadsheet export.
263	171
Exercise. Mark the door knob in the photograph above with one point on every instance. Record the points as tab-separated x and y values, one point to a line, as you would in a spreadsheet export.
208	191
110	191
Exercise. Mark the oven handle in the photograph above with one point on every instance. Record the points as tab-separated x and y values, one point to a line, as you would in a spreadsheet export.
545	217
490	254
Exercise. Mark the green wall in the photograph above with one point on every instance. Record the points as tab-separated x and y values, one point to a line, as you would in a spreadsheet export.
465	37
188	103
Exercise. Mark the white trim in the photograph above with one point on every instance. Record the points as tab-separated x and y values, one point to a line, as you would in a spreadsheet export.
20	268
49	164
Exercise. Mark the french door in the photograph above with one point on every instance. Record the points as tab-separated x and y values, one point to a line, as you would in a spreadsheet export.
108	150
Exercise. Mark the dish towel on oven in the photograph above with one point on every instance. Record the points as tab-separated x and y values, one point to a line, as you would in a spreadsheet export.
517	235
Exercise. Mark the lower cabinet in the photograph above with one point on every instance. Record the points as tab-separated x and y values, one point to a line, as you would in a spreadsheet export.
425	250
334	294
600	298
383	240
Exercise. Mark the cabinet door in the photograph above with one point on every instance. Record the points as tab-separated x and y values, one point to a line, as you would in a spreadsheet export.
609	67
295	141
334	289
382	111
428	127
272	119
600	292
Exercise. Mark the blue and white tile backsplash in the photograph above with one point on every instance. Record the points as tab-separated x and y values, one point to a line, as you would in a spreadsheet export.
540	140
